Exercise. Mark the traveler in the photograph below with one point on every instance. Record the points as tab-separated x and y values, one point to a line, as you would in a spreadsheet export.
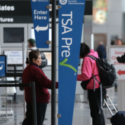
32	73
88	69
119	42
102	55
32	46
121	59
101	50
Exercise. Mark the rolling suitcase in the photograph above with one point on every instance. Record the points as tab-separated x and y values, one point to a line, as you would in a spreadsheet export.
119	117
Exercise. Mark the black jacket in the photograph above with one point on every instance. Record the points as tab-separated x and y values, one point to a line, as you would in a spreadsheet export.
121	59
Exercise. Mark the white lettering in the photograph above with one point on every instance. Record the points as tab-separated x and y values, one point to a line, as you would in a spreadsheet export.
67	53
40	12
66	29
64	25
6	19
68	47
70	15
7	8
67	22
12	8
66	40
40	17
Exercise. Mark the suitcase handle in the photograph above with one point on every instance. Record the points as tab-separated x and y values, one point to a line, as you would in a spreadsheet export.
108	105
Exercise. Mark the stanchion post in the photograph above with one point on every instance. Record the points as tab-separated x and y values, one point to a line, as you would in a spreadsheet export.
34	114
53	112
33	93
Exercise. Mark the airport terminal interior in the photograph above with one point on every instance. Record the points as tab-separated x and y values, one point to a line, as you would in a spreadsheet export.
103	24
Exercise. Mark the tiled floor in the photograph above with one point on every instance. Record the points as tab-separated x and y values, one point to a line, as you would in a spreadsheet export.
81	113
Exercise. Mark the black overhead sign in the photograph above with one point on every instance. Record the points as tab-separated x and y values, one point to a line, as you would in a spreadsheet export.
15	12
20	11
15	8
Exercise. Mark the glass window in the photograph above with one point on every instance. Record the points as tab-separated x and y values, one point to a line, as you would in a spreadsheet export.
13	35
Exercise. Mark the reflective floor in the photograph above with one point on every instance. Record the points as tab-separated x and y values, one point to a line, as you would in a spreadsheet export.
81	113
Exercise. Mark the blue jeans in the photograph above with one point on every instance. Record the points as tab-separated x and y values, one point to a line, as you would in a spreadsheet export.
41	109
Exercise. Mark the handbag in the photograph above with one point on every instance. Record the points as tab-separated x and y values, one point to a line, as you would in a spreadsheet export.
85	83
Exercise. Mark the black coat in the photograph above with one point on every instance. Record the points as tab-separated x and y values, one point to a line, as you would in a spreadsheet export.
121	59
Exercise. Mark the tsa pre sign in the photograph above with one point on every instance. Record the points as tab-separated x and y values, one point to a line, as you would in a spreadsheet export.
40	16
70	29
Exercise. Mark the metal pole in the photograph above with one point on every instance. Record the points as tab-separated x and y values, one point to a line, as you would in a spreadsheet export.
24	47
15	95
34	114
53	112
33	93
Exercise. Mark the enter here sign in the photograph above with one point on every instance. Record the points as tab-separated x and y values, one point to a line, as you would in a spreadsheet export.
120	67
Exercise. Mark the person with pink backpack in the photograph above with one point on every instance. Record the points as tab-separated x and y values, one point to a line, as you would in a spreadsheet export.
88	70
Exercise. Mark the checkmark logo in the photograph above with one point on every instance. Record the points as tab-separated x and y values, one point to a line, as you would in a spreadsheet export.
63	63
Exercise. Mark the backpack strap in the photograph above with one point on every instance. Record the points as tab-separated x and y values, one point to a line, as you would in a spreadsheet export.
93	76
92	57
100	107
101	96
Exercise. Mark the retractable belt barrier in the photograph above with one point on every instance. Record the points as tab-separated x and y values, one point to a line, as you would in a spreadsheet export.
20	85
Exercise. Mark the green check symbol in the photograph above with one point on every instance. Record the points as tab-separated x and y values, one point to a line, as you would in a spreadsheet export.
63	63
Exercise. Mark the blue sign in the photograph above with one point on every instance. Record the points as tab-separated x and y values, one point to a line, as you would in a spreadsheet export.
40	16
70	29
3	65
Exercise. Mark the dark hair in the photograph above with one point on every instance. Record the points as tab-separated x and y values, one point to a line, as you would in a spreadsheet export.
112	42
33	54
119	39
84	50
